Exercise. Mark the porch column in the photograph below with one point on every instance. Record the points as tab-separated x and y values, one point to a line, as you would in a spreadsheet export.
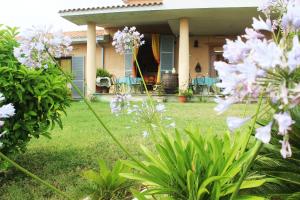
184	54
91	59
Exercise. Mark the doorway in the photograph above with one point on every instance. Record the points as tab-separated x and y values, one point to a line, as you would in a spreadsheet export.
147	62
216	55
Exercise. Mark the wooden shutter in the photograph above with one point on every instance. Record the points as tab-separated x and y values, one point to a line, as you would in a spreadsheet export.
128	63
78	73
167	52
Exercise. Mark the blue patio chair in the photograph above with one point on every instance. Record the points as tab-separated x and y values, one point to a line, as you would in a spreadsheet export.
129	84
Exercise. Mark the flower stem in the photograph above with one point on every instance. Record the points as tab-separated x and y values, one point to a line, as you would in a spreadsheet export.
25	171
98	117
258	147
253	124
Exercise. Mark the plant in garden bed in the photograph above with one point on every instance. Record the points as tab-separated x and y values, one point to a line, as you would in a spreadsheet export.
193	165
108	184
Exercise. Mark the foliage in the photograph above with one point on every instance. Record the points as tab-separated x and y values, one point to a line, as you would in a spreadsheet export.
108	184
187	93
202	166
76	147
103	73
7	44
40	97
287	171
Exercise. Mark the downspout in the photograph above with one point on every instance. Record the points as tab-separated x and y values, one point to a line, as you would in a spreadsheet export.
102	50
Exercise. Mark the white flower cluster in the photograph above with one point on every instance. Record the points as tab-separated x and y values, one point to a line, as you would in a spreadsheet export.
38	45
120	103
6	111
148	114
258	66
128	39
151	115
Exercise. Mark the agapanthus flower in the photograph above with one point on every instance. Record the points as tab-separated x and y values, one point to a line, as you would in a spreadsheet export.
6	111
127	40
236	122
262	25
286	150
120	104
259	66
294	55
266	6
284	121
39	45
264	133
291	19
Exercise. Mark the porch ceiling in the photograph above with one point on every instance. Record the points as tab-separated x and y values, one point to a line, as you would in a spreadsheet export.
203	21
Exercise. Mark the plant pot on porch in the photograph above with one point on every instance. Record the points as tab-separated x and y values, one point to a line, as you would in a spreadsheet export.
103	84
102	89
182	99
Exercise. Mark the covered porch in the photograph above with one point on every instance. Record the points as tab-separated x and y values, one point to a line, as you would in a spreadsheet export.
188	40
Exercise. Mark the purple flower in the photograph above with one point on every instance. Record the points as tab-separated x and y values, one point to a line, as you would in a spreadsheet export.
235	122
261	25
235	51
251	34
267	5
37	43
294	55
128	39
223	104
264	133
6	111
120	104
291	20
286	150
284	121
267	54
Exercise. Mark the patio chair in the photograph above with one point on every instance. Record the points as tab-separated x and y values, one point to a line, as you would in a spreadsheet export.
136	85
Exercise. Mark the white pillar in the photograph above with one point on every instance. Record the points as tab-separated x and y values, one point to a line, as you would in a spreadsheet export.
184	54
91	59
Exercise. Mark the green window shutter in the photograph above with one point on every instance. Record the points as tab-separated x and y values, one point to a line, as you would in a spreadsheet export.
78	73
128	63
167	52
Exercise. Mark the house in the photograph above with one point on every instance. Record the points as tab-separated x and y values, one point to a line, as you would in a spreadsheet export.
188	36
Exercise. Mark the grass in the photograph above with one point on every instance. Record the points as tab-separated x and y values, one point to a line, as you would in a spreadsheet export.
82	143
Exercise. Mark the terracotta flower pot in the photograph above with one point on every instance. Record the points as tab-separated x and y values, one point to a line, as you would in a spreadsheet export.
182	99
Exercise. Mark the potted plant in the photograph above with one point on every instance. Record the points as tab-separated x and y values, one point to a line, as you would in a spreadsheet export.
159	88
103	81
185	95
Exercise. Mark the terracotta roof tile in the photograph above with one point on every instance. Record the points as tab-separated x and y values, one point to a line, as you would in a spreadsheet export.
129	5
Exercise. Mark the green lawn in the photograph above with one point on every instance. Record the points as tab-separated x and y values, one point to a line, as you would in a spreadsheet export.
82	142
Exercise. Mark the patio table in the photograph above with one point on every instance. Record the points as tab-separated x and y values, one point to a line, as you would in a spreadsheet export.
203	83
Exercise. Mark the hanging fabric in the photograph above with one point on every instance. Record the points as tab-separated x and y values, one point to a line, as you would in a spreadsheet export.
134	70
156	54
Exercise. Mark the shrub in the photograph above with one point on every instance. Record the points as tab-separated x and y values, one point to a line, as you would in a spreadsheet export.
103	73
40	97
200	167
108	184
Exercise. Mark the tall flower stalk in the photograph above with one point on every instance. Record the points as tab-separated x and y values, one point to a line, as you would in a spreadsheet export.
128	40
